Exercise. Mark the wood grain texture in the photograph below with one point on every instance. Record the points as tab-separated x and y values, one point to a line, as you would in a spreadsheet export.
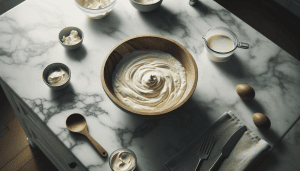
150	42
97	146
20	160
15	152
4	130
38	163
13	143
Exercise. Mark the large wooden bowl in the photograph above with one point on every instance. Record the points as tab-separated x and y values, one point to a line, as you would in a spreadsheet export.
151	42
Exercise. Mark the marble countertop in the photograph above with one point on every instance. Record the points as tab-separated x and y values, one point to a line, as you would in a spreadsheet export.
29	42
285	156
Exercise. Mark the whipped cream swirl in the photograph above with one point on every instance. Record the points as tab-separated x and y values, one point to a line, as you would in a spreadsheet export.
149	79
123	161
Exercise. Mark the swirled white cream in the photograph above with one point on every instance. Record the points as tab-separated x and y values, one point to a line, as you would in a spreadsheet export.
58	77
149	79
123	161
72	39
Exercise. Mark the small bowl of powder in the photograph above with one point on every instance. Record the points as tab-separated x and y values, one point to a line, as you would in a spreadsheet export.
57	76
71	38
96	9
146	5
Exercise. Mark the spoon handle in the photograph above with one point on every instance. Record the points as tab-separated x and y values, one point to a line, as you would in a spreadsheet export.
98	147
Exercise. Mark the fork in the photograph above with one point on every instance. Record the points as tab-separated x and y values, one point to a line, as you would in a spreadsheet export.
206	147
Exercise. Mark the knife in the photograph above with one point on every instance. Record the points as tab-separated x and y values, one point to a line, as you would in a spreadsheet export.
229	145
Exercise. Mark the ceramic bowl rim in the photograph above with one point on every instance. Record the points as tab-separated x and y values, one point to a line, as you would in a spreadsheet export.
145	4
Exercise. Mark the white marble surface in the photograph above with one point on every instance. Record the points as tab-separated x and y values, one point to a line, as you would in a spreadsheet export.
29	42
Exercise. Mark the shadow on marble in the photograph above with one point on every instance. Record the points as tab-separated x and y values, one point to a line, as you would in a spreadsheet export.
137	167
284	156
77	54
165	136
190	115
189	121
161	18
232	67
254	106
181	127
65	95
265	162
107	25
202	8
269	135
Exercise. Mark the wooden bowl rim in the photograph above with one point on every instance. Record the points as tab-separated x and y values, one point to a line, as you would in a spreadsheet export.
118	102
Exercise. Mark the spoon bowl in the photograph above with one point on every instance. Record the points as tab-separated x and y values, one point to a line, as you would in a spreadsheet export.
77	123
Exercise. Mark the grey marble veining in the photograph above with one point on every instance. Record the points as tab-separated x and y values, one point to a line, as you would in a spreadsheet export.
29	42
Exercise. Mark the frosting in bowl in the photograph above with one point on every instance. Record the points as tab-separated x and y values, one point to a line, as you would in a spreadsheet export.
72	39
58	77
94	4
123	161
149	79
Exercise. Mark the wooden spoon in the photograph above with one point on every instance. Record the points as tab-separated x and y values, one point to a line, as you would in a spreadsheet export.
77	123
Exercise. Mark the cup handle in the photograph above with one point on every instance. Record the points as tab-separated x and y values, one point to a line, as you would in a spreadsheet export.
243	45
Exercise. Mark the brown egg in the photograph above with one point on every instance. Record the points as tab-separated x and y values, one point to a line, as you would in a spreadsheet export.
261	120
245	91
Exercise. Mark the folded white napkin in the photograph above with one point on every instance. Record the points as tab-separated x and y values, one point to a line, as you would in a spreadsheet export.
246	152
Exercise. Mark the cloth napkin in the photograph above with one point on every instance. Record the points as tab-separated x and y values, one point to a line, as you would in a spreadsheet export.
247	151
